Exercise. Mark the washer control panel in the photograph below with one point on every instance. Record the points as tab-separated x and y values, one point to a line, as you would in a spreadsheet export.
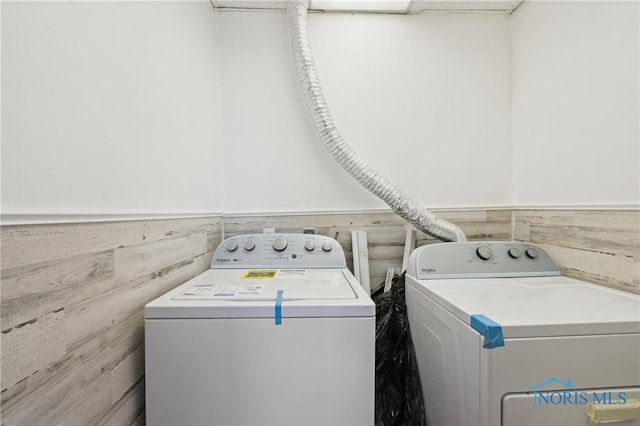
279	251
480	259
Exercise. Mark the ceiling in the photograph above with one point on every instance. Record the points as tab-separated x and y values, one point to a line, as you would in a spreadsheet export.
351	6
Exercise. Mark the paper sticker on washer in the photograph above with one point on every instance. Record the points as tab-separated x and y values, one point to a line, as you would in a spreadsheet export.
260	274
292	273
204	290
250	290
225	291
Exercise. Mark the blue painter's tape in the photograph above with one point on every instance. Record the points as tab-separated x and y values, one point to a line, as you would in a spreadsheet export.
491	330
278	313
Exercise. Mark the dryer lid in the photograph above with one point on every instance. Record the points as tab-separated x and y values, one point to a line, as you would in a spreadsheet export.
538	306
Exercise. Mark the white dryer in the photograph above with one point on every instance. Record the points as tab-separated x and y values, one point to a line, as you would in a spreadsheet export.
277	332
502	339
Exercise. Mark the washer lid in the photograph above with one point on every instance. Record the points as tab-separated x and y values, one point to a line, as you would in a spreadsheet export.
538	306
264	284
255	293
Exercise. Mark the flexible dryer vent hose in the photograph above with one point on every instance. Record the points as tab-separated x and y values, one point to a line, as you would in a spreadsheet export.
402	205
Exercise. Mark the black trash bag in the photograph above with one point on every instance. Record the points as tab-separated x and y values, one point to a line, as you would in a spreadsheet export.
398	391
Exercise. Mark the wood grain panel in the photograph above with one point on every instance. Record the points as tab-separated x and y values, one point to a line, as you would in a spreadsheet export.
126	373
72	313
30	291
127	411
31	244
607	241
93	316
32	346
604	219
138	261
600	246
76	389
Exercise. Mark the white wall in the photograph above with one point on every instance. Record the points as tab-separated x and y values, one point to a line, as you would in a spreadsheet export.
130	107
423	99
575	103
110	107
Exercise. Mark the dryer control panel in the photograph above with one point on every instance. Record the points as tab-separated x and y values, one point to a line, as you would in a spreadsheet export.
480	259
279	251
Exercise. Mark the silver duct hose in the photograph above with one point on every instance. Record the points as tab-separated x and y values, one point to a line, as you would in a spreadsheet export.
402	205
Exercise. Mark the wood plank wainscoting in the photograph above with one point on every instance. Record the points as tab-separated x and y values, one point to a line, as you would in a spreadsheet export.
72	314
72	348
600	246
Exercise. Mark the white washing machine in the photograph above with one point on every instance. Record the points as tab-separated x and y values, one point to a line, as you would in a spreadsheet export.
502	339
277	332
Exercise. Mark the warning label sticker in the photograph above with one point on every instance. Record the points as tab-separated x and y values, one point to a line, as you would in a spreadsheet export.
260	274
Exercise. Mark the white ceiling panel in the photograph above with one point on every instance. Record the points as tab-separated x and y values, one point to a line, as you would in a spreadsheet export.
415	6
507	6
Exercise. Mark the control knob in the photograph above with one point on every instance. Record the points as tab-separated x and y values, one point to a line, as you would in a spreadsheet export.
327	246
309	245
232	245
514	252
280	244
484	252
531	252
249	245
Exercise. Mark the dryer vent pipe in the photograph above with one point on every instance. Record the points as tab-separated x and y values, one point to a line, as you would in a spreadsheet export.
402	205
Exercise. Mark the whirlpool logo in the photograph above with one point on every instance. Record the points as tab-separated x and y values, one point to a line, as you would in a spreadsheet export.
571	396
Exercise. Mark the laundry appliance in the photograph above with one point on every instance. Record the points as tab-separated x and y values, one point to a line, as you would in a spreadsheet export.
277	332
501	338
